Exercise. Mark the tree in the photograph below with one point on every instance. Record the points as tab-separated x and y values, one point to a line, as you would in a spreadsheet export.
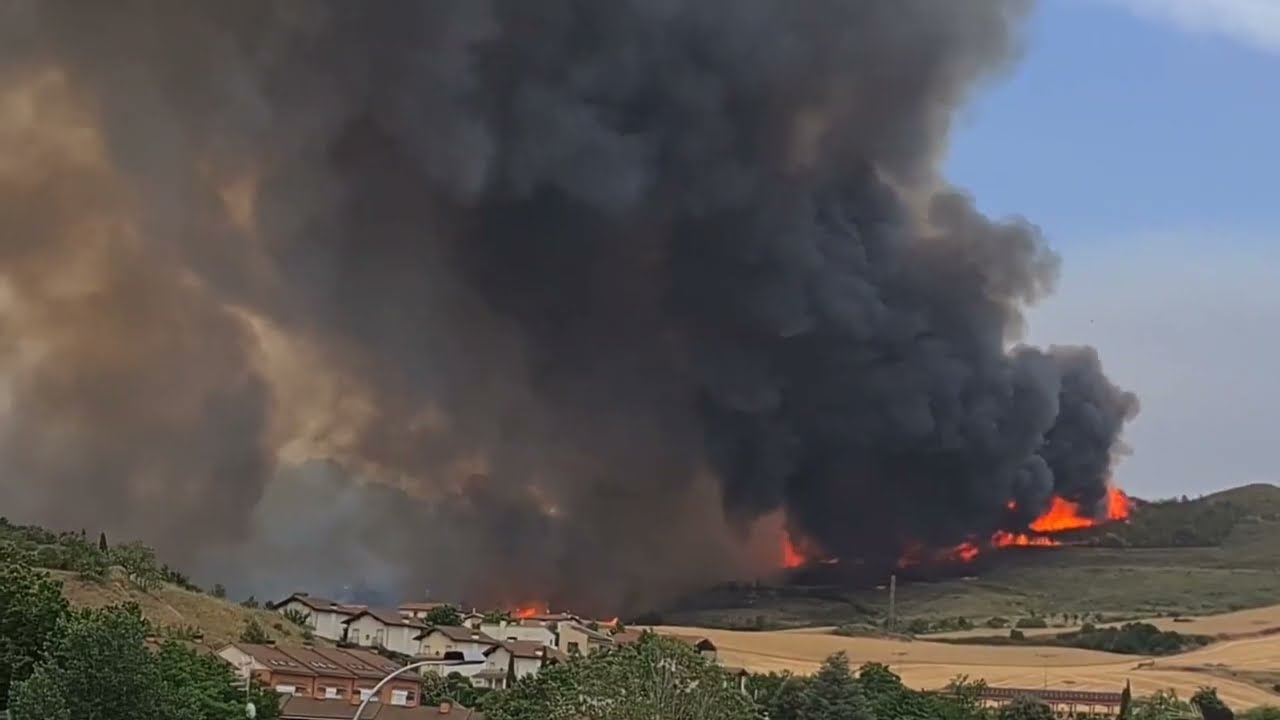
97	668
254	633
1210	706
494	617
1026	707
1126	701
452	688
219	591
653	678
139	563
191	681
31	607
296	616
443	616
834	694
1162	705
102	543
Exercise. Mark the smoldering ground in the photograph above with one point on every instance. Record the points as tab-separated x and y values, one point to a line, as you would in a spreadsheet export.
573	293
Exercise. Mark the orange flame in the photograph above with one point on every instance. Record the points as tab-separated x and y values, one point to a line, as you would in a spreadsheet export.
525	613
791	557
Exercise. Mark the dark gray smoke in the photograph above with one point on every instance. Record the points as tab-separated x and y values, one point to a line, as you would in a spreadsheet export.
573	292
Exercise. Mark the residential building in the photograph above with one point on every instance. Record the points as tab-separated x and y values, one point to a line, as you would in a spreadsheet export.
300	708
572	637
515	658
528	630
703	645
473	620
324	617
462	642
419	610
384	629
341	677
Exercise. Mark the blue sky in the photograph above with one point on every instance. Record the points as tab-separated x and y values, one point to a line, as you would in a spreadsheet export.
1141	135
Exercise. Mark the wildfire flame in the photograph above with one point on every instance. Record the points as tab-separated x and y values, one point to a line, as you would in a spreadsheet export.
791	557
525	613
1062	515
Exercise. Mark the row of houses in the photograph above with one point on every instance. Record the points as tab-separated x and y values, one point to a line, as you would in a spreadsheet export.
403	631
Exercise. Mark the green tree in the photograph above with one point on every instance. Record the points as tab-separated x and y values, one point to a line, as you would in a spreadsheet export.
102	543
1210	706
254	633
1126	701
452	688
834	694
296	616
31	607
219	591
653	678
445	615
1026	707
203	687
97	668
139	563
494	617
1162	705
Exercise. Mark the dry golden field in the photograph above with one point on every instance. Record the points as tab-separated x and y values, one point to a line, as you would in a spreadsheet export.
1242	669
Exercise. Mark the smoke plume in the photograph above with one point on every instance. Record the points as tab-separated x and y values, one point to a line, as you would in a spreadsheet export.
558	300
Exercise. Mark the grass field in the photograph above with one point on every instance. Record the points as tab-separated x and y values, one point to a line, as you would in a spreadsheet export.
168	606
1241	669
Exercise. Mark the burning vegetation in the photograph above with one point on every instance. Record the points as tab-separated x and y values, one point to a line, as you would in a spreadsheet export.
1063	516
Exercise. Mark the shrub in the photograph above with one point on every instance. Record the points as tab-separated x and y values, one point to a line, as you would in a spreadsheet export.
1031	622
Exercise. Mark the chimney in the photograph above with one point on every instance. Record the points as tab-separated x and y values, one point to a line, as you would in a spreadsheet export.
446	707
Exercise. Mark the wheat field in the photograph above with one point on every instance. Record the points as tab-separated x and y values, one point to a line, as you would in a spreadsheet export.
1228	665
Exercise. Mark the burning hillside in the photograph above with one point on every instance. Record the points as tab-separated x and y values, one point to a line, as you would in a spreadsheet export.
1062	516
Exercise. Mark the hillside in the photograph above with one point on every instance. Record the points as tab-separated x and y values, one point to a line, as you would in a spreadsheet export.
1215	554
177	609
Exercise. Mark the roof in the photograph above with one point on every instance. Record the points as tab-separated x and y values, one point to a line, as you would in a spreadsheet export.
695	641
305	708
490	674
459	633
1062	696
319	604
272	658
626	637
554	617
420	606
592	634
360	663
387	617
319	662
529	649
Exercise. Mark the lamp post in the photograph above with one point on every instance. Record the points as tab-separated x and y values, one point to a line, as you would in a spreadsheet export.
374	692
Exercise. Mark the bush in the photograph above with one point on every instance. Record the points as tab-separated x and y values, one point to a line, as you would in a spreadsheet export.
1031	622
998	622
254	633
1016	634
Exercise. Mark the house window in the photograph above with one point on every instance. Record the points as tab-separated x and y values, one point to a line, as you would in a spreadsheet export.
286	689
573	647
367	694
399	697
332	693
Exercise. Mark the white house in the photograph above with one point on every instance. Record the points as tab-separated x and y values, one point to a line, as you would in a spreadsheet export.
326	618
515	657
473	620
572	637
384	629
445	641
522	630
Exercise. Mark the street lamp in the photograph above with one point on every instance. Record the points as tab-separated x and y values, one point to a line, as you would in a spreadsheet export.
374	692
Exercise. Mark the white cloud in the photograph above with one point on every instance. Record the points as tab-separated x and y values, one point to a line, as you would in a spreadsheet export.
1255	22
1191	328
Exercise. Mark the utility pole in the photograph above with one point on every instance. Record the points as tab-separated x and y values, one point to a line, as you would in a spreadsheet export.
893	602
